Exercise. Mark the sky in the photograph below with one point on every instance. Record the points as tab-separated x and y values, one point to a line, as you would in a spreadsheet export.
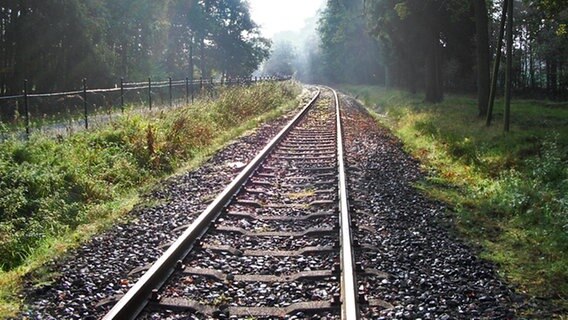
275	16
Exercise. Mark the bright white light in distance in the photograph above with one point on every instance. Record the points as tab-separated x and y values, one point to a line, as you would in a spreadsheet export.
274	16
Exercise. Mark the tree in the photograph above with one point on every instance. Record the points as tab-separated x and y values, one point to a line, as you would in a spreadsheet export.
56	43
508	79
497	63
483	60
427	34
281	60
349	54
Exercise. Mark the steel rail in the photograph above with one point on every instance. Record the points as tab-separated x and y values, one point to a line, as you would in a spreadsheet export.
349	307
136	299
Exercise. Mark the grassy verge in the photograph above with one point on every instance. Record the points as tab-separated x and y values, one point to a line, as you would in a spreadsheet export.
54	194
509	191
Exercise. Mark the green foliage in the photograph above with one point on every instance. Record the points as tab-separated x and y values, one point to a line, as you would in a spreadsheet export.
45	187
537	191
401	9
431	45
413	33
349	54
49	187
509	191
57	43
281	60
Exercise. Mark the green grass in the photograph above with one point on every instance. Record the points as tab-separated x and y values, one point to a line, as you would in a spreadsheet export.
509	191
56	193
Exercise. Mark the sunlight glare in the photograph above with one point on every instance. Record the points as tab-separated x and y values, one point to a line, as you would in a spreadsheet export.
275	16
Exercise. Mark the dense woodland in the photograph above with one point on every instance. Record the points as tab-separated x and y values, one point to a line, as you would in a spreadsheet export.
439	45
56	43
430	45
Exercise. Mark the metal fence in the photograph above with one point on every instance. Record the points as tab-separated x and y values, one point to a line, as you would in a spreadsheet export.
76	110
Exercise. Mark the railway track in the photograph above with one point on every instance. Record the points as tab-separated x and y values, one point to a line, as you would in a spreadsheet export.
276	243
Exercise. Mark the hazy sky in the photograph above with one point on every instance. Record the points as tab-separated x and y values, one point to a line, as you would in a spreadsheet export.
274	16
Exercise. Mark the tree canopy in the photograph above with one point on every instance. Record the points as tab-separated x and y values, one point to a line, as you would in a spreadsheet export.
444	45
281	60
349	54
55	44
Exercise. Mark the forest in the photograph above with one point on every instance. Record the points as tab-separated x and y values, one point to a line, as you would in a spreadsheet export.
440	46
432	45
54	44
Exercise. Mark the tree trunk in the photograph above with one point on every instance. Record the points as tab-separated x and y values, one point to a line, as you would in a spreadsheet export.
9	49
561	80
202	53
553	84
483	81
411	77
531	69
191	60
439	78
433	86
3	45
496	65
124	56
20	67
508	74
387	76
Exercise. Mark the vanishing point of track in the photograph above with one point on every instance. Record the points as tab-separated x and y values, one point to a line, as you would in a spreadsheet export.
276	242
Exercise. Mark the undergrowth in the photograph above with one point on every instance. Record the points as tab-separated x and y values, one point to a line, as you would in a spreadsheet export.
53	191
509	191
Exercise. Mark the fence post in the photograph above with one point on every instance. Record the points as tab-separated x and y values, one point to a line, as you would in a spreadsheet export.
170	91
150	93
192	89
26	109
201	83
85	103
122	95
186	90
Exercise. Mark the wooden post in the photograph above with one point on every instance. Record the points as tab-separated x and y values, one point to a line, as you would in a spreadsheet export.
26	109
192	90
85	108
150	93
509	71
191	77
186	90
122	95
170	91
